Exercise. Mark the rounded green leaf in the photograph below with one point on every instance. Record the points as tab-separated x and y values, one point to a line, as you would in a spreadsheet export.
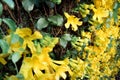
42	23
56	20
56	1
4	46
28	5
15	57
1	8
67	37
10	3
20	76
11	24
63	42
14	38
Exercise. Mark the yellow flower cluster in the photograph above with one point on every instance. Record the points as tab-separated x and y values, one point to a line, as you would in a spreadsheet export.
99	54
38	66
98	57
97	45
44	67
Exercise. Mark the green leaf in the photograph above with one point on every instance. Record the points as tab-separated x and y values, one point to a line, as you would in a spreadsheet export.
67	37
50	4
15	57
1	8
1	36
4	46
20	76
21	41
107	25
56	20
108	22
115	16
10	3
99	26
42	23
11	24
56	1
28	5
115	11
63	42
14	38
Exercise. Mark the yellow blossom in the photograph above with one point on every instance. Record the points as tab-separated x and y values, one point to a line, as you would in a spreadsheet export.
78	68
98	3
100	14
42	62
118	63
104	4
86	35
73	21
27	36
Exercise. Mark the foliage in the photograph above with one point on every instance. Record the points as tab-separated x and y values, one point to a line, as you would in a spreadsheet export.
82	42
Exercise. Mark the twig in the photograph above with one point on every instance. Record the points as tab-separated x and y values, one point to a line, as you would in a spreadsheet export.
58	32
45	11
18	11
16	68
11	14
2	32
55	10
30	17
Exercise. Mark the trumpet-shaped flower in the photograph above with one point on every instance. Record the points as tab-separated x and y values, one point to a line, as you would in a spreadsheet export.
27	36
100	14
73	21
104	4
41	64
78	68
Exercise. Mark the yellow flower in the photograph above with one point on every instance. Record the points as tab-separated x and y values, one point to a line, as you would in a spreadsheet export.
38	63
100	14
26	69
107	71
118	63
94	77
107	4
27	36
86	34
98	3
78	68
60	70
73	21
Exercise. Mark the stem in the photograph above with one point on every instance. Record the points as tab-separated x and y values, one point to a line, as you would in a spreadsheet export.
18	11
31	18
11	15
16	68
2	31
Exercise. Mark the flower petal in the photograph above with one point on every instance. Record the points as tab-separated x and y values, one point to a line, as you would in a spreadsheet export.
23	32
36	35
67	25
66	15
2	60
